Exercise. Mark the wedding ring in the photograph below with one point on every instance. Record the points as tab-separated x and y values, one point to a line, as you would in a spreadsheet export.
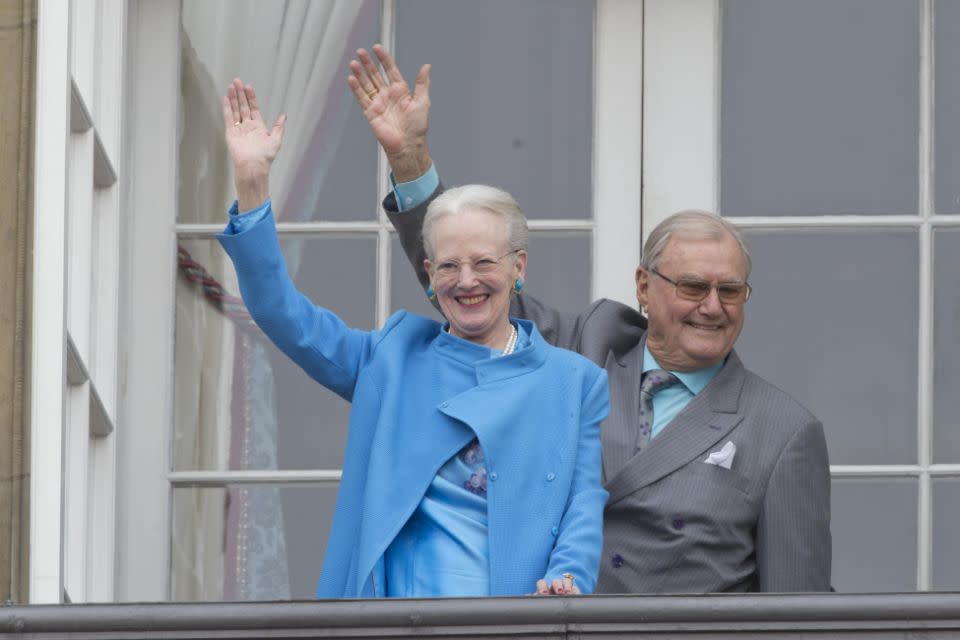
237	123
371	93
569	576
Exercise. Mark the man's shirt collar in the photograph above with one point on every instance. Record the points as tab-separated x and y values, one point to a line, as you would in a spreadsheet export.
694	381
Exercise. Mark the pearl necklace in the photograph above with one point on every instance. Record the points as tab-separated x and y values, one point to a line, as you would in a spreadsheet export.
511	341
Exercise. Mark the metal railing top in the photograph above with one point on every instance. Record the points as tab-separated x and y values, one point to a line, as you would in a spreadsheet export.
587	616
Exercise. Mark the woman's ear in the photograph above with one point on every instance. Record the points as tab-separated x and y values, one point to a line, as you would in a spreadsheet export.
521	264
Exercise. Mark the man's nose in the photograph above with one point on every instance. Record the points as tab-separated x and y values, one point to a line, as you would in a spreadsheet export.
711	304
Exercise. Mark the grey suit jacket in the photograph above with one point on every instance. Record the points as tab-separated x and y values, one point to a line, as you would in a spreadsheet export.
673	523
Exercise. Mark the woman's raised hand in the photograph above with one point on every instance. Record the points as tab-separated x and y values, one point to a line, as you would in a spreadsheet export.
397	117
252	147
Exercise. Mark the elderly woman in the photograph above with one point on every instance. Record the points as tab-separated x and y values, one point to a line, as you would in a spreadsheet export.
473	459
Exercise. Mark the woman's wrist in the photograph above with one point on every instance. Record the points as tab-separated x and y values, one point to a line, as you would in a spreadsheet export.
252	193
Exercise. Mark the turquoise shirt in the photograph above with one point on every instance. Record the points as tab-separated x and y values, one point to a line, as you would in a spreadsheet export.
667	403
410	194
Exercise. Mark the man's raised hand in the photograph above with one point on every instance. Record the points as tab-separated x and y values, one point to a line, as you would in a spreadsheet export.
398	118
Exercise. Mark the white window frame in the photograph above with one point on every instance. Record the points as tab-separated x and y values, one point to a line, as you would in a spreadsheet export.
75	314
153	106
681	170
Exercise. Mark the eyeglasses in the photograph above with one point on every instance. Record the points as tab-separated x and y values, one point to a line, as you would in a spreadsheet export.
480	266
697	290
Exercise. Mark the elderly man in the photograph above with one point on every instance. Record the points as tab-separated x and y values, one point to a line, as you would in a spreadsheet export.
718	481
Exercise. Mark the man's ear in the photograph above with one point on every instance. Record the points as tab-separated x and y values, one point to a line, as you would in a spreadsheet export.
642	278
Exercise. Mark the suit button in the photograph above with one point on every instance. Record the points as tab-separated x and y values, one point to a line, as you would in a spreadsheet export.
554	531
678	523
616	560
551	476
444	405
493	476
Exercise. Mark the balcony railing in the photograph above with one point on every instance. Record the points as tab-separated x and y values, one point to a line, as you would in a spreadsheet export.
909	615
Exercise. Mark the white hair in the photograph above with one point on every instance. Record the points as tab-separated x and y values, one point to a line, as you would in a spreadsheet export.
692	224
473	197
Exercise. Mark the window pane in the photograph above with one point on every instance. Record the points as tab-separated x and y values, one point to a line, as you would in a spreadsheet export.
946	347
512	94
874	526
295	55
947	95
249	542
946	530
559	269
240	403
405	291
833	321
819	109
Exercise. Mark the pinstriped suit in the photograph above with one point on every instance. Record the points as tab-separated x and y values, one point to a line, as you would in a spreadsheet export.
674	524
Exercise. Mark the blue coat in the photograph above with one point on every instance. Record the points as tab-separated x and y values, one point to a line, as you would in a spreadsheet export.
536	414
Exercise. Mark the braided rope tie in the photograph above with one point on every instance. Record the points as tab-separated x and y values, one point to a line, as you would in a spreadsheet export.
229	305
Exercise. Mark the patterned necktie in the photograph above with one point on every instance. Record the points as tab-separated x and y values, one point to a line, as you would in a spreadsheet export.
652	382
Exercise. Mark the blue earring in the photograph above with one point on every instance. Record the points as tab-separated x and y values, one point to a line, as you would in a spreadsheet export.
430	292
518	286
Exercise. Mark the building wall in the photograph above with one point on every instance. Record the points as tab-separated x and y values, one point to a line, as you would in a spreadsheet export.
18	28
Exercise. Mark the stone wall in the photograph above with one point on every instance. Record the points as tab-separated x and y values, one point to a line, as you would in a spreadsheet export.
18	33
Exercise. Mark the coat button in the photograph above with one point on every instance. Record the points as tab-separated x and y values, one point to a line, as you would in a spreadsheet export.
616	560
493	476
551	476
554	531
444	405
678	523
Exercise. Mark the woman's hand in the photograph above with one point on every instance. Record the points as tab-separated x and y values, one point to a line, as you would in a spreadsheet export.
564	587
398	118
252	147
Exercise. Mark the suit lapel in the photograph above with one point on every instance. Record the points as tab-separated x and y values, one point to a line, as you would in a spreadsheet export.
618	433
709	417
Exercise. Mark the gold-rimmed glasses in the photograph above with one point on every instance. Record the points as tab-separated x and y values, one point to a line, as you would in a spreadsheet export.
696	290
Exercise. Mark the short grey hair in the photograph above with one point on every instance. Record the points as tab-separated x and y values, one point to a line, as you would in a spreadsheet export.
692	224
472	197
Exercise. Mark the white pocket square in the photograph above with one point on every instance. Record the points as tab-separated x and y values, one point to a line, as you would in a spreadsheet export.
724	457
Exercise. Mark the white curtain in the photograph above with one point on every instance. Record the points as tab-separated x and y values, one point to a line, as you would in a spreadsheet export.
295	53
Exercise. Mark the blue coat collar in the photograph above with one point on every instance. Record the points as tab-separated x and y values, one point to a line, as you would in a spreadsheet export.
518	363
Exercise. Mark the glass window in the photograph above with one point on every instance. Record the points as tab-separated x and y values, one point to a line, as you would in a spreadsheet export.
947	96
523	119
247	542
946	347
833	321
946	530
296	56
874	526
819	107
553	253
234	388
